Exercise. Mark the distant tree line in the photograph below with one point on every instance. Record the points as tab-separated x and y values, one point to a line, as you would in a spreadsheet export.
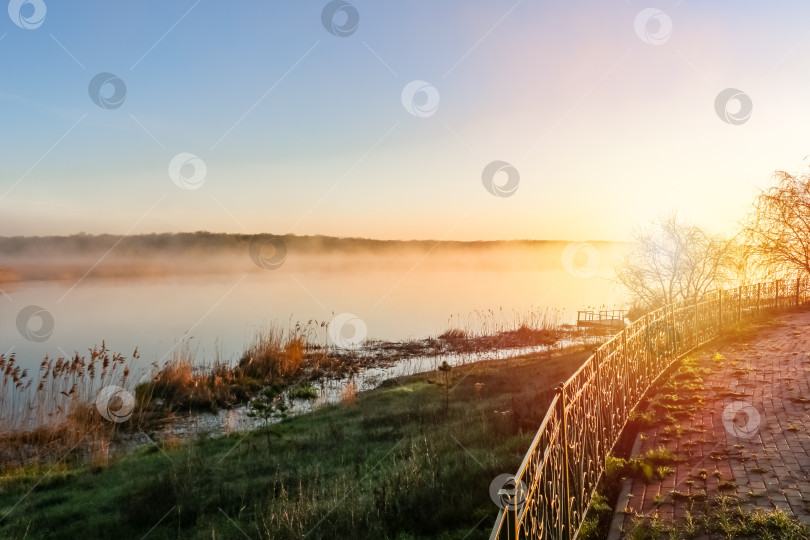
204	242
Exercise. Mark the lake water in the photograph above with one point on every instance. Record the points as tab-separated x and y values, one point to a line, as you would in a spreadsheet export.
407	295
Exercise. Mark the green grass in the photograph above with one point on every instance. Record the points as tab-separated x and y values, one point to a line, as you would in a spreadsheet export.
725	519
304	391
599	514
651	465
396	464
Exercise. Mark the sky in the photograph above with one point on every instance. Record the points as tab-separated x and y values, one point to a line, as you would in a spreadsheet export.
287	117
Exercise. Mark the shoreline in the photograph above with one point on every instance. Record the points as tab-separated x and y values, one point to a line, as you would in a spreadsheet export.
412	438
375	365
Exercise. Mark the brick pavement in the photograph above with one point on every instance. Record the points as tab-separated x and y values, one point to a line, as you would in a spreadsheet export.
749	437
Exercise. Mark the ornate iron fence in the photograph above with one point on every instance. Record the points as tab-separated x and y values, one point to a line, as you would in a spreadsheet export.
566	459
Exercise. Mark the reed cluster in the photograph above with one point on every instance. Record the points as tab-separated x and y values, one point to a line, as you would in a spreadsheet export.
490	322
54	413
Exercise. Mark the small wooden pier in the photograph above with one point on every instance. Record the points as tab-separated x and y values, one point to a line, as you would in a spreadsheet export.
609	318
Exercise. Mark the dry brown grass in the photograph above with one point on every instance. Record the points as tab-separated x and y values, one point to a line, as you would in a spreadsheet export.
277	355
178	385
274	356
490	322
54	415
490	329
349	393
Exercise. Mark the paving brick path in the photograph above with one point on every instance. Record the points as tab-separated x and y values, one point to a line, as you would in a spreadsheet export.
760	385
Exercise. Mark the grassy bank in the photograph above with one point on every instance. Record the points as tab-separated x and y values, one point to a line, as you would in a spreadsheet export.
413	459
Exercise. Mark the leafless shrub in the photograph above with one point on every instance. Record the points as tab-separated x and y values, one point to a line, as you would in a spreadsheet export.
673	260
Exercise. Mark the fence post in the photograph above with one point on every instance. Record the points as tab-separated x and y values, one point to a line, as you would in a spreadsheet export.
739	304
676	345
797	291
566	509
720	311
626	362
599	402
759	290
697	332
601	447
776	298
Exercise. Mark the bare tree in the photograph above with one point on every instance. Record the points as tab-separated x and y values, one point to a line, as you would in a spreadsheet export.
777	230
744	266
672	260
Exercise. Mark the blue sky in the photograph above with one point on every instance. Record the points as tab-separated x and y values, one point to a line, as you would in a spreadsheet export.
304	131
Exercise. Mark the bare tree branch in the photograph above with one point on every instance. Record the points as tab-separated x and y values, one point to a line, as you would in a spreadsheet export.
777	229
671	260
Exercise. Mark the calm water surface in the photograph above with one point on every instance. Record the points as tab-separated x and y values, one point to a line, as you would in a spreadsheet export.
410	295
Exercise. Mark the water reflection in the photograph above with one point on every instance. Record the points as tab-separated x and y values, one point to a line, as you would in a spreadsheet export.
397	296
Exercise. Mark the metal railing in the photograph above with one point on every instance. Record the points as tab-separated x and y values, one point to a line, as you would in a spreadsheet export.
612	317
566	459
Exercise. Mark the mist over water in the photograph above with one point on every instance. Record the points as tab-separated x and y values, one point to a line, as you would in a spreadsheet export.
219	299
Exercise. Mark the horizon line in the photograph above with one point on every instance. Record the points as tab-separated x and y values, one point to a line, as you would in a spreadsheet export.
317	235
